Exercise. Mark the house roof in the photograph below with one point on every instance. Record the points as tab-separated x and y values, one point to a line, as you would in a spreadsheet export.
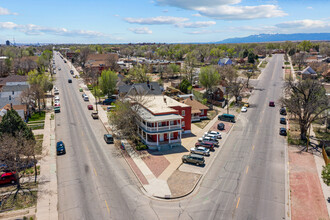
224	61
308	70
96	60
149	117
196	106
16	107
4	101
14	88
141	88
13	78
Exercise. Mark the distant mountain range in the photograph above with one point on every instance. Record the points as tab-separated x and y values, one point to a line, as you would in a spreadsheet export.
276	37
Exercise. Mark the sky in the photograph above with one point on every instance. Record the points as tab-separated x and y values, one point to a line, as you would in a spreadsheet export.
159	21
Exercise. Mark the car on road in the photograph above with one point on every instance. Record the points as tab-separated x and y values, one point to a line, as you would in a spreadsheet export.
57	109
56	92
216	133
57	98
200	150
90	107
283	131
95	115
213	137
86	98
193	158
64	61
9	177
272	104
57	104
60	148
69	80
59	68
227	117
83	95
205	144
80	90
283	111
221	126
108	138
244	109
71	71
283	121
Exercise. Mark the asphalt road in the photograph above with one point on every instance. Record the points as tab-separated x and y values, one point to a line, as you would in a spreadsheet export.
246	180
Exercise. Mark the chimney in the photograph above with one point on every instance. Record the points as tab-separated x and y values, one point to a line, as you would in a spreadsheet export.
191	97
165	100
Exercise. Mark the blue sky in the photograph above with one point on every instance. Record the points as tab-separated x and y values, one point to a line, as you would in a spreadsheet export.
169	21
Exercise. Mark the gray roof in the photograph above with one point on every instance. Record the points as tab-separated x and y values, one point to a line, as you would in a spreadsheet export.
14	88
5	101
149	117
308	70
13	78
141	88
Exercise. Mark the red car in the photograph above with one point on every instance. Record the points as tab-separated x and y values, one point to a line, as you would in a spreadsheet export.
57	104
90	107
272	104
205	144
6	178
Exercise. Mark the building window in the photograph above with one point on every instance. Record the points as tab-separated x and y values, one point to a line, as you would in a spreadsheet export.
171	122
202	112
171	135
183	124
183	113
159	124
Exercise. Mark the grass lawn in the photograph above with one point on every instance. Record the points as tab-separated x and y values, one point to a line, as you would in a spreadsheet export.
210	114
288	76
321	133
22	201
288	68
264	64
287	63
30	171
36	126
38	146
37	116
294	133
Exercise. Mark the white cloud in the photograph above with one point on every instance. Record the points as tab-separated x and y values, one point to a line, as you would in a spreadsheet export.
196	15
142	30
116	15
32	29
227	12
204	32
197	24
5	11
303	24
156	20
226	9
310	7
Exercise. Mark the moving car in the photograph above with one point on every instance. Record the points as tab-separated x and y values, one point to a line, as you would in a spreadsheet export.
69	80
227	117
200	150
9	177
221	126
283	131
60	148
243	109
90	107
108	138
193	158
283	121
272	104
95	115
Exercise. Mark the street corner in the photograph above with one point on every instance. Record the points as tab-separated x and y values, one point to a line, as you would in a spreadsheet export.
182	183
157	163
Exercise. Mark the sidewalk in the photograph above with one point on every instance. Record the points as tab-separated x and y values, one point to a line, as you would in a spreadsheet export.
47	187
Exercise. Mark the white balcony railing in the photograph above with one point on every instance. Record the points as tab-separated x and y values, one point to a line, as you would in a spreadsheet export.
161	128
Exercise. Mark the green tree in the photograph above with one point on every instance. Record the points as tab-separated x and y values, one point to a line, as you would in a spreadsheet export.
107	82
209	77
251	58
137	74
184	85
173	69
326	174
305	45
189	65
12	123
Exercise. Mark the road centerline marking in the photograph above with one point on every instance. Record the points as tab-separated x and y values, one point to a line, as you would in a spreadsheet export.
247	169
107	206
95	172
253	147
238	202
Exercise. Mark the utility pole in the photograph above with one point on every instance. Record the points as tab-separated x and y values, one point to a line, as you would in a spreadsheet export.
227	90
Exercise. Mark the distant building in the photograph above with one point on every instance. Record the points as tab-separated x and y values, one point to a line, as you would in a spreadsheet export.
308	72
7	43
224	61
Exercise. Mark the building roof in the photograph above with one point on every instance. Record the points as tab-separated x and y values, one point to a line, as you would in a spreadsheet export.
13	78
224	61
97	60
4	101
158	104
14	88
308	70
141	89
196	106
149	117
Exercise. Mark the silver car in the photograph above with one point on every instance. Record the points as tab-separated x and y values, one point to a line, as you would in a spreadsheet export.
200	150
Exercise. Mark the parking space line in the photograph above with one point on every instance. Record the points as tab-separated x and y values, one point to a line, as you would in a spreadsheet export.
247	169
107	206
238	202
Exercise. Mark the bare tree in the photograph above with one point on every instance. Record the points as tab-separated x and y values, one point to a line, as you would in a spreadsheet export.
83	56
111	61
248	74
307	100
299	59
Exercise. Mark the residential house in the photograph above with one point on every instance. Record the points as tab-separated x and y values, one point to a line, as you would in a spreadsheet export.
140	88
100	62
225	61
308	72
20	109
198	110
326	75
13	80
162	121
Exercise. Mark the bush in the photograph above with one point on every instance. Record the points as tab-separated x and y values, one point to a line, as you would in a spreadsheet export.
141	146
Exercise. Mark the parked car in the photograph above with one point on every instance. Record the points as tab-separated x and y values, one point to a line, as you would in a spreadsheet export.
212	137
71	71
90	107
193	158
205	144
208	140
95	115
108	138
221	126
86	98
57	109
57	98
200	150
227	117
57	104
80	89
283	111
69	80
108	101
9	177
283	121
83	95
110	108
244	109
272	104
283	131
56	92
60	148
216	133
59	68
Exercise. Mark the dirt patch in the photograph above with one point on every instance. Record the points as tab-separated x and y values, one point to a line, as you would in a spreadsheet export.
307	201
156	163
181	183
